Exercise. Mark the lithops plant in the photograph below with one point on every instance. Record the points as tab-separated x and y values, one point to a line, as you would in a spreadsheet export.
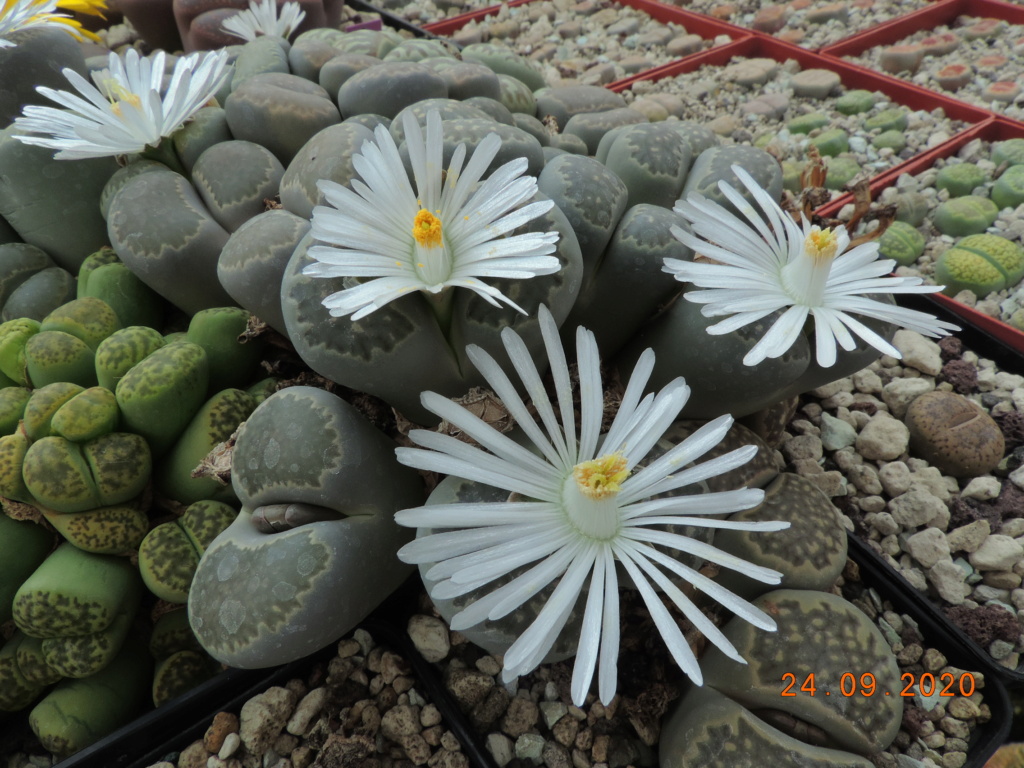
81	605
77	713
980	263
316	537
181	663
169	554
24	545
820	635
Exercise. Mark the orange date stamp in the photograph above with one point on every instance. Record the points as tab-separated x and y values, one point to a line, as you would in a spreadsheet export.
926	684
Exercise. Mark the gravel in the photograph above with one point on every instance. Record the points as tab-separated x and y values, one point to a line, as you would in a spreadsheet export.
960	541
808	23
982	56
595	42
730	101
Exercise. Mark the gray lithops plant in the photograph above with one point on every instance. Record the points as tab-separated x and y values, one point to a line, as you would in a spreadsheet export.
302	449
411	337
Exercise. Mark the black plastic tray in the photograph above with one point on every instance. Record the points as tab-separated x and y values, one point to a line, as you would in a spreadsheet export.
941	634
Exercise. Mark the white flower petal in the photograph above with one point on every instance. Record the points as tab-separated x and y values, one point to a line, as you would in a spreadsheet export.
756	275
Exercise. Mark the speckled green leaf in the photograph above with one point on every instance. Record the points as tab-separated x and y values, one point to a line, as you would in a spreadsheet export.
116	355
87	415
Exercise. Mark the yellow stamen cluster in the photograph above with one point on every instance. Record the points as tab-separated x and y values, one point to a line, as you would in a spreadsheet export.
426	228
119	95
821	244
602	477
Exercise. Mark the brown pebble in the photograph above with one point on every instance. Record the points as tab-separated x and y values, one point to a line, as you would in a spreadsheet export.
430	715
432	735
387	698
599	752
585	739
302	757
520	717
444	758
223	724
468	686
770	19
953	434
417	750
450	742
565	731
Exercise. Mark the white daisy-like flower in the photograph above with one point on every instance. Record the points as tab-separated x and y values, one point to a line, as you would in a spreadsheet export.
447	233
262	19
770	265
587	506
127	110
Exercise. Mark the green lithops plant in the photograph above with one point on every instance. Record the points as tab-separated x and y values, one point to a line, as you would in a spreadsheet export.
68	477
159	395
78	713
32	661
810	554
822	635
841	171
901	242
967	215
980	263
84	655
1008	191
1010	152
12	456
169	554
855	102
14	335
327	155
16	691
505	61
112	530
231	356
207	127
214	423
172	633
89	319
960	179
180	672
119	352
807	123
893	139
715	164
235	178
832	142
24	545
104	277
893	119
303	447
89	414
18	262
73	593
12	407
43	404
56	356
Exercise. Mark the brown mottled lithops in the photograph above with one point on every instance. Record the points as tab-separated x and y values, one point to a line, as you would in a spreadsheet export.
810	554
822	635
952	433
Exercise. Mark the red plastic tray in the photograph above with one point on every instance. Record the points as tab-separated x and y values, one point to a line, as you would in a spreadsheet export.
994	129
942	12
853	77
695	23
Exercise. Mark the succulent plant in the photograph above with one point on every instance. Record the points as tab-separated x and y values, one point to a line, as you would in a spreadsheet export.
302	448
1010	151
832	142
855	102
119	352
232	358
1008	191
16	690
960	179
24	545
901	242
159	395
967	215
169	554
78	713
981	264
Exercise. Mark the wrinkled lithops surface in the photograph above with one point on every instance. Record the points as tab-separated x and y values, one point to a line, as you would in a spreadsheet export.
991	53
756	101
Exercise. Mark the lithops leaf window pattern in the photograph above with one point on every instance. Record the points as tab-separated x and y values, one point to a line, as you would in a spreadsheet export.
769	262
583	504
262	19
16	15
448	232
127	110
